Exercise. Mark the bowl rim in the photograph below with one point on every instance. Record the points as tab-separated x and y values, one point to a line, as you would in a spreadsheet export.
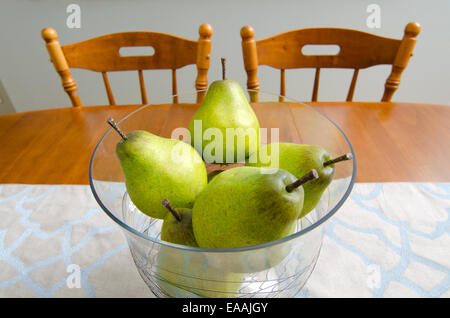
234	249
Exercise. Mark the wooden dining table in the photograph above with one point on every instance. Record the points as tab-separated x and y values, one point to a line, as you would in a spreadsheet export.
393	142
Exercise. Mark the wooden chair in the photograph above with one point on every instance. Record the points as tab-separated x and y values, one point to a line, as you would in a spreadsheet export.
358	50
101	54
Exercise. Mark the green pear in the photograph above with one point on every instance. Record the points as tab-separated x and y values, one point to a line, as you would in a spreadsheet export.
225	128
299	159
156	168
181	273
177	226
253	260
212	174
247	206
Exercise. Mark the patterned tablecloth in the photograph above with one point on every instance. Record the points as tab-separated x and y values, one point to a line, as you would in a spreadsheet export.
388	240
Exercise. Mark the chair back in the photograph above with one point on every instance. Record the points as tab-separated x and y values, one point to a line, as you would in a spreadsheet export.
102	54
357	50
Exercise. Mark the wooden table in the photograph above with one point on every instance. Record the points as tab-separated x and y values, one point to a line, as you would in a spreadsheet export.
392	141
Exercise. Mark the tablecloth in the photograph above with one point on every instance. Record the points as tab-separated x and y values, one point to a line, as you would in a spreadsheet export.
387	240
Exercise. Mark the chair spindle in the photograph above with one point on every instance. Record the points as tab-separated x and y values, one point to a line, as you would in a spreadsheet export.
316	85
174	86
282	86
352	85
142	86
108	89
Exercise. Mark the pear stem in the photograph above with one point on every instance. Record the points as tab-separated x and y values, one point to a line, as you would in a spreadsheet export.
169	207
114	125
223	67
347	156
307	177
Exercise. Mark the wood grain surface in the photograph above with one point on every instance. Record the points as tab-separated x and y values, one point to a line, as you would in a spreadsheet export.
392	141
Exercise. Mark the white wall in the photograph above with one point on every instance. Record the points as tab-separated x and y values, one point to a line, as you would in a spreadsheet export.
32	83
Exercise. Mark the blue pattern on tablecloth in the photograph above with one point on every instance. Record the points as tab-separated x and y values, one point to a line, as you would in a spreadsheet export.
67	249
367	197
404	251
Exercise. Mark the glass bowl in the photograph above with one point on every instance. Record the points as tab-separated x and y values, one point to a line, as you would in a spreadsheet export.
275	269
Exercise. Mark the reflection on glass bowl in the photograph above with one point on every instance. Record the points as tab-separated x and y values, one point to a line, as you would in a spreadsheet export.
275	269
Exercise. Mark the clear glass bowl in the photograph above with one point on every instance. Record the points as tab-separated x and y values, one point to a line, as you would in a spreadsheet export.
276	269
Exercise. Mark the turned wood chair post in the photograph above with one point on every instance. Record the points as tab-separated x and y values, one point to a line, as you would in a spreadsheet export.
405	51
250	60
59	62
203	60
